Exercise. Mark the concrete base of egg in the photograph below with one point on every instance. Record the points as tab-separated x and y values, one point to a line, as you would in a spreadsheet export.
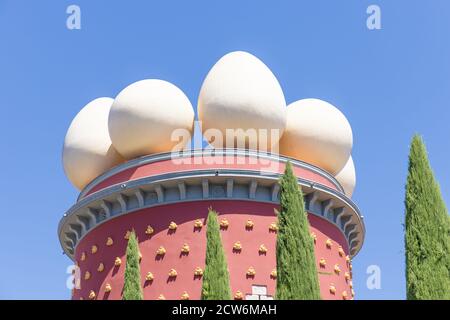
166	202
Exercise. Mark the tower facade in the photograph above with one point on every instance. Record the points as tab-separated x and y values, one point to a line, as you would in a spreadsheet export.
165	199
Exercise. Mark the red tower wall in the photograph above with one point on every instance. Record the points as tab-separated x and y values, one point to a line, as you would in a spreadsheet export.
184	214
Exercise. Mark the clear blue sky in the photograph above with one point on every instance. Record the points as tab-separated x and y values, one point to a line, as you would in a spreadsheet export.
389	83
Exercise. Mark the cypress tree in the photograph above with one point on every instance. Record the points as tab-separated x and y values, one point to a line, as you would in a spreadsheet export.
427	230
132	289
296	267
216	285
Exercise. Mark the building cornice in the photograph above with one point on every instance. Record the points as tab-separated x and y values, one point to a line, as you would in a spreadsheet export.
225	184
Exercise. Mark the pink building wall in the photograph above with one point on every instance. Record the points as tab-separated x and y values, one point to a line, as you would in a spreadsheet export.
184	214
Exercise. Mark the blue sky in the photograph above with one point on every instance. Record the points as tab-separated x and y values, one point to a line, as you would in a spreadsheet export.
390	83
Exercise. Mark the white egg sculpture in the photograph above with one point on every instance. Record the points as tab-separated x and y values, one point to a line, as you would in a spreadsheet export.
317	133
146	114
87	150
240	92
347	177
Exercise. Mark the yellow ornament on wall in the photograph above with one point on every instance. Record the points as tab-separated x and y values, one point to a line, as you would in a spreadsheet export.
83	256
173	226
198	224
149	231
161	251
101	267
173	273
329	243
87	275
238	295
198	272
117	262
251	272
149	276
185	248
109	241
332	289
185	296
108	288
344	295
273	227
249	224
94	249
337	269
161	297
322	262
224	223
274	274
92	295
262	249
237	246
127	235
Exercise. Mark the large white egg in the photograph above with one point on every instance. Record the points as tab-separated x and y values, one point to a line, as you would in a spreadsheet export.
317	133
87	150
240	92
347	177
146	116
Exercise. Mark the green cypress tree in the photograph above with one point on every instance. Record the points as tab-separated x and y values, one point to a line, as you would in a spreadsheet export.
296	267
132	289
216	285
427	231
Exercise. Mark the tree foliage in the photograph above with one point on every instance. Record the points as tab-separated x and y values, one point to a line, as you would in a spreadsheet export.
132	289
296	268
427	230
216	284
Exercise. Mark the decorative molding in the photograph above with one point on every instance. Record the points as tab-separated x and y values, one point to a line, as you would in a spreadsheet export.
311	199
82	223
252	189
275	192
327	210
182	190
338	214
113	201
92	217
123	202
205	188
230	188
140	197
106	206
160	193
